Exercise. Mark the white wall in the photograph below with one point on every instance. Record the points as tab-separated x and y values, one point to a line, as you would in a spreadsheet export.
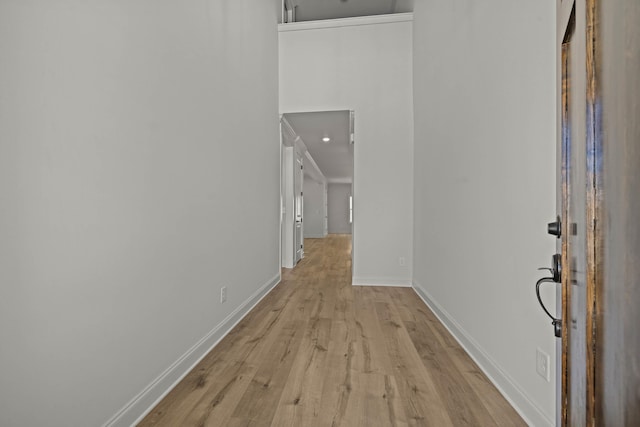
353	64
119	130
314	208
404	5
485	182
338	208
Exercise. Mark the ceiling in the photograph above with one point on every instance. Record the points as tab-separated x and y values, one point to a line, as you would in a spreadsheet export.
311	10
334	159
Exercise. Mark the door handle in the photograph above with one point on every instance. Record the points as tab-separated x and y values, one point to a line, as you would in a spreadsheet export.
556	268
556	277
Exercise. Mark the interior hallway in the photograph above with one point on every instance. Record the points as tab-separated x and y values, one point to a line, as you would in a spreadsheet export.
317	351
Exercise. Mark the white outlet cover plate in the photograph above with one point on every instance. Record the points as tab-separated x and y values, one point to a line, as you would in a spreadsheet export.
543	364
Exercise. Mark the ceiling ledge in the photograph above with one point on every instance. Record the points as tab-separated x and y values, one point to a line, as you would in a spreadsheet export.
346	22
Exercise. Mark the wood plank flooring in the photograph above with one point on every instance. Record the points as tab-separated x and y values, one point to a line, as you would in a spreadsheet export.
319	352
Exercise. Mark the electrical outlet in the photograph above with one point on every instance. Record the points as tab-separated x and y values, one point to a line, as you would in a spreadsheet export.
543	365
401	261
223	294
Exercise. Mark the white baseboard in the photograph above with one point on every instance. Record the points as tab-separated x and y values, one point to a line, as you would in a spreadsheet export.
520	401
134	411
381	281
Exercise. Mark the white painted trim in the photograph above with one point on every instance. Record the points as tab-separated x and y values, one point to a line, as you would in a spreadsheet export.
289	135
288	234
134	411
340	180
333	110
301	147
346	22
381	281
506	385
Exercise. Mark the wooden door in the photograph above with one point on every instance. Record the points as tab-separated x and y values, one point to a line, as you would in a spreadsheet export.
576	191
599	44
616	156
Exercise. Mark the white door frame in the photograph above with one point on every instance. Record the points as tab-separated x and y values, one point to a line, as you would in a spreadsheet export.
298	185
287	220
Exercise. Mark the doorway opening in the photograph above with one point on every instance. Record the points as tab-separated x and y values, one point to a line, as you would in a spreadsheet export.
317	179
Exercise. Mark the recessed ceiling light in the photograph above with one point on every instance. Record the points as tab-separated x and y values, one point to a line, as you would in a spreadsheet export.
326	139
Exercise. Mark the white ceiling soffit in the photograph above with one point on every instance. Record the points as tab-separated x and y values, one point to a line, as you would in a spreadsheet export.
334	159
313	10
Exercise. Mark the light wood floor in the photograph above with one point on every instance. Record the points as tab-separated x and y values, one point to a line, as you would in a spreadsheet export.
320	352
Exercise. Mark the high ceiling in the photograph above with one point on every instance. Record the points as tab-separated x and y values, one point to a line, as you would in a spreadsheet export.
335	158
311	10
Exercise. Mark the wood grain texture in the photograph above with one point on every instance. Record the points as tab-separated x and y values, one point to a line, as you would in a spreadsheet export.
616	47
577	213
594	235
320	352
601	382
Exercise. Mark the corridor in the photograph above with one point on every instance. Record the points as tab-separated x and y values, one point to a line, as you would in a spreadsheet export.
317	351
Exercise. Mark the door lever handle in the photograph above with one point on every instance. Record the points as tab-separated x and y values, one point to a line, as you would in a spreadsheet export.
556	270
557	323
